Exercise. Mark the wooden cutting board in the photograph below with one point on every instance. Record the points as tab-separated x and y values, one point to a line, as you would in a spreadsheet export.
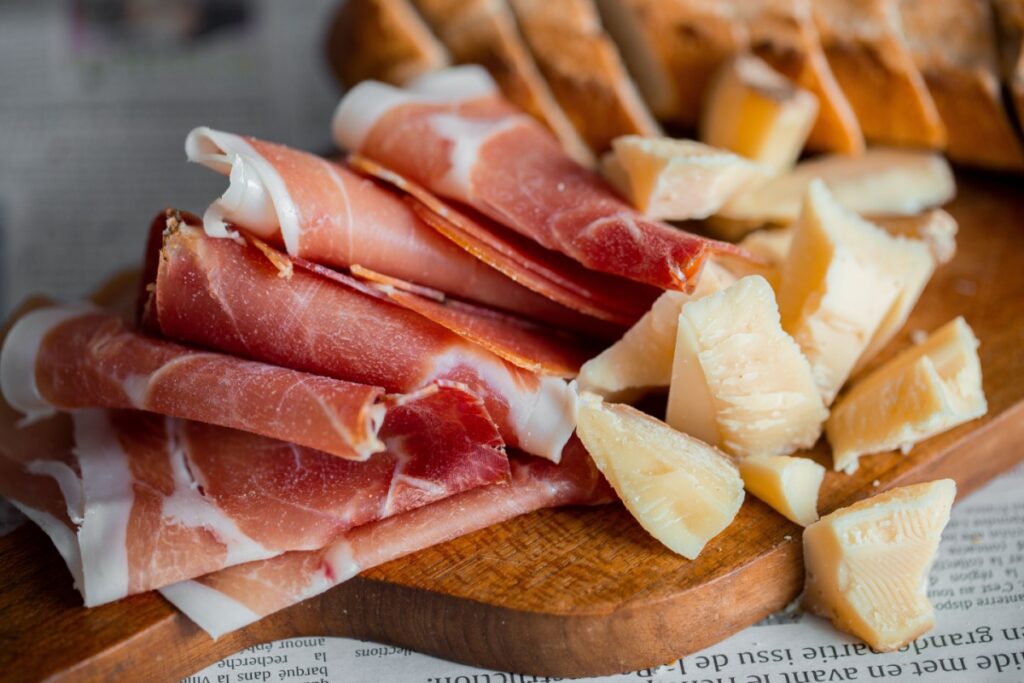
568	592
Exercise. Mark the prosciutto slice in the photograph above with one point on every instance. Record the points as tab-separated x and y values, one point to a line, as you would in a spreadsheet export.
69	357
229	296
324	212
554	275
470	144
227	600
153	500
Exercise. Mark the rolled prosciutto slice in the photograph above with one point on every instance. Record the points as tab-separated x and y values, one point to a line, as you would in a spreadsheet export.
324	212
230	296
227	600
69	357
153	500
454	134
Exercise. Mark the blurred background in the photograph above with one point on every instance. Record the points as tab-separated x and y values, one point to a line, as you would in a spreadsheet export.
96	97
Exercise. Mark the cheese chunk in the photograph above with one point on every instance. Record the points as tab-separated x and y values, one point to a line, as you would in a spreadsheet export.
881	181
936	228
771	245
642	359
789	485
739	381
867	564
675	179
757	112
926	390
682	491
836	288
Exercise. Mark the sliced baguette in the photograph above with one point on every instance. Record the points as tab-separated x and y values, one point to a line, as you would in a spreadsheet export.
954	46
484	32
864	42
1010	20
783	33
584	70
383	40
672	48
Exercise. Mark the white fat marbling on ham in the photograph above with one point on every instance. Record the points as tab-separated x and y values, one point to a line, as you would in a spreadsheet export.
69	482
107	490
545	418
466	136
18	359
363	105
220	613
257	197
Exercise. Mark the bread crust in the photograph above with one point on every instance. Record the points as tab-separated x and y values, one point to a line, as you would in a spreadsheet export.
383	40
954	45
865	46
484	32
584	70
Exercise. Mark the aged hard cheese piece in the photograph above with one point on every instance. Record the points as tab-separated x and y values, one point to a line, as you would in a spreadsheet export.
676	179
954	45
484	32
925	390
882	181
836	287
757	112
789	485
782	33
868	564
936	228
869	56
642	359
383	40
739	381
682	491
584	69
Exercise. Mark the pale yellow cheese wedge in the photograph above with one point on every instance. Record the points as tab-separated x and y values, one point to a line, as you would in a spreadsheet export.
789	485
868	564
881	181
642	359
682	491
836	289
923	391
936	228
739	382
753	110
671	179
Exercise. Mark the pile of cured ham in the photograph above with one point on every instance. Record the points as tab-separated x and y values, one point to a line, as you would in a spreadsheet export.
344	361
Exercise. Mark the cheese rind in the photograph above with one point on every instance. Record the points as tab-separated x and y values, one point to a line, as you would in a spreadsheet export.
867	565
682	491
642	358
835	289
739	381
928	389
675	179
881	181
757	112
789	485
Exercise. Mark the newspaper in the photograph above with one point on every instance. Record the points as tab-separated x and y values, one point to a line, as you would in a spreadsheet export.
977	589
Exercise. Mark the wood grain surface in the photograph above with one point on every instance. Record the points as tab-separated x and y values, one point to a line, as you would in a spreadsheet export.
567	592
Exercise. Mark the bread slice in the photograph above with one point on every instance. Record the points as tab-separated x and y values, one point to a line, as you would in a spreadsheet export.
584	70
484	32
783	33
1010	20
864	42
954	45
672	48
383	40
